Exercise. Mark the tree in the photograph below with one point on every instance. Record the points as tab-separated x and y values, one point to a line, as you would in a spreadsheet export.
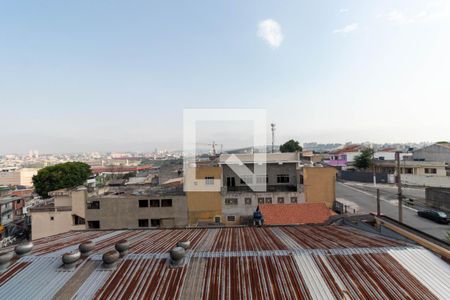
60	176
364	160
291	146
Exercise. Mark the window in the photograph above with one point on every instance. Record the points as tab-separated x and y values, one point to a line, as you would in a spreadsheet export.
301	179
77	220
280	200
18	201
217	220
231	218
143	222
262	179
408	170
269	200
93	205
231	201
248	201
282	178
93	224
293	199
154	203
247	179
260	200
430	171
52	218
231	181
155	222
166	202
143	203
209	180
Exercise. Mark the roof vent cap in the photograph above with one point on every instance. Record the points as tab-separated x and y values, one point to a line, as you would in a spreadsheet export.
5	260
122	247
177	255
70	259
110	259
86	248
184	244
23	248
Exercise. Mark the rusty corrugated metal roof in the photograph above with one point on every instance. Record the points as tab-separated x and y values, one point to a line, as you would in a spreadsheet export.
289	262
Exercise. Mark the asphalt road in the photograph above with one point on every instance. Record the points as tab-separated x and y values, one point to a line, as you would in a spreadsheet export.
363	200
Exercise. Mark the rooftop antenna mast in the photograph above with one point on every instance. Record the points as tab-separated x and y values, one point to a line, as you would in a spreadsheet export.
272	125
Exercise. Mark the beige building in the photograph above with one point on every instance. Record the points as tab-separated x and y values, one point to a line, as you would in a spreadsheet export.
203	194
117	211
17	177
67	212
119	208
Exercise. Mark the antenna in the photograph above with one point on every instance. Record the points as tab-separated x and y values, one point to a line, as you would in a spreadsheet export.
272	125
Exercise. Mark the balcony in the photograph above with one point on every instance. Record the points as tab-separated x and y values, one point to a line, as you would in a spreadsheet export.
269	188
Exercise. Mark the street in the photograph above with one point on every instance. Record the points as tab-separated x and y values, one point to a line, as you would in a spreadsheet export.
361	198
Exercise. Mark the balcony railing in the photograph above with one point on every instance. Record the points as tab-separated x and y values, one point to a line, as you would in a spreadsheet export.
50	208
269	188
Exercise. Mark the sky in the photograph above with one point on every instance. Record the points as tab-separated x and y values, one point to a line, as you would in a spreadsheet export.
116	75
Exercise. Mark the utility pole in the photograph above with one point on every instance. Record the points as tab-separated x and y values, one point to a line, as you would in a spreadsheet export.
378	203
272	125
373	167
399	186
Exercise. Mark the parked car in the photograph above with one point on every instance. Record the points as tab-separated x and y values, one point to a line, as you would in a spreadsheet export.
434	215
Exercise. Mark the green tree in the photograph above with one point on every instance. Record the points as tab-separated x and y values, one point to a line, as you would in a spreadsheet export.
66	175
364	160
291	146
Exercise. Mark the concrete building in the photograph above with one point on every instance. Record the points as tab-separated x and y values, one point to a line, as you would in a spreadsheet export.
112	208
164	208
66	212
416	173
389	154
411	167
14	177
203	194
436	152
287	181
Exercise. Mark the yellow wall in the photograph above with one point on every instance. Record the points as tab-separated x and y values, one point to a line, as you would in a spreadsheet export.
320	185
204	205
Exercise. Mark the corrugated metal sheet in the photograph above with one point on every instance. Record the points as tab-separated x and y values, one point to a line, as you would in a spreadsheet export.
297	262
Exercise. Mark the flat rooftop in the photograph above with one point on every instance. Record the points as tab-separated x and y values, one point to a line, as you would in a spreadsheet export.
279	262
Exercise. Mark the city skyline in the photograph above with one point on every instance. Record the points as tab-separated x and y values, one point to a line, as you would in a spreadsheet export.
102	76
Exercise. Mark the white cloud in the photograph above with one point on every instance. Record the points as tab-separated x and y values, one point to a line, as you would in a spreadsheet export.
346	29
270	31
398	17
343	10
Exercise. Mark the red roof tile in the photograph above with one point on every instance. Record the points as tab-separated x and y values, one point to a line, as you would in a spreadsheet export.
305	213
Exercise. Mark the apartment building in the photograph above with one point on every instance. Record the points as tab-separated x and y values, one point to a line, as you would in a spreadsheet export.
14	177
287	180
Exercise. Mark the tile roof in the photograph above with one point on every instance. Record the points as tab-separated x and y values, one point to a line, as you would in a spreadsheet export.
304	213
291	262
346	149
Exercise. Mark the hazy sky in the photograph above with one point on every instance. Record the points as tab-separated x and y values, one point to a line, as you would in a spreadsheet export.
116	75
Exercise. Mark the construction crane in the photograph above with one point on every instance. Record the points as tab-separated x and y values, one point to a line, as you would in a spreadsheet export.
213	146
